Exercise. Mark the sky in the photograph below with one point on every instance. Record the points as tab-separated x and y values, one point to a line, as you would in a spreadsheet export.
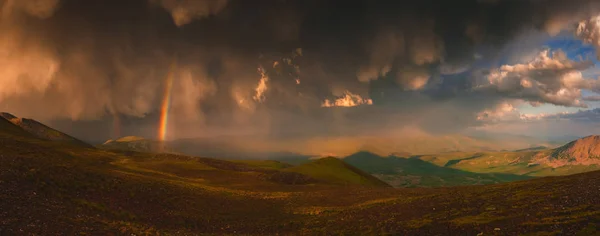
301	69
575	49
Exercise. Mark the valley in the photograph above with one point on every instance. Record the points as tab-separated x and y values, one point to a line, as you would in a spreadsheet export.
404	169
51	187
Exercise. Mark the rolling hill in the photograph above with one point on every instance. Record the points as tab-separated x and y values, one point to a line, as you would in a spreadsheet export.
266	164
414	172
49	187
42	131
334	170
134	143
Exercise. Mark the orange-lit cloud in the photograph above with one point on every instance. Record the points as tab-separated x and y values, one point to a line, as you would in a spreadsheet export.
347	100
504	111
262	87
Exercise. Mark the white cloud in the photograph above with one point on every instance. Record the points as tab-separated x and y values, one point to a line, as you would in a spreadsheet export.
502	112
550	78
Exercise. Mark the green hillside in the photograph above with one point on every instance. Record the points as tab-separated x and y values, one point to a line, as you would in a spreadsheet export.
414	172
334	170
516	163
267	164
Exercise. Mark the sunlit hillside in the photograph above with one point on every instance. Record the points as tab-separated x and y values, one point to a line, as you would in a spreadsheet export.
575	157
133	143
40	130
50	188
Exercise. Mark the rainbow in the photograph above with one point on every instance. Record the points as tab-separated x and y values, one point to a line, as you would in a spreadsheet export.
116	133
165	107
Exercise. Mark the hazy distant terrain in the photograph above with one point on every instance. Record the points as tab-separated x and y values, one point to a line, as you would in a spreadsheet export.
416	144
400	168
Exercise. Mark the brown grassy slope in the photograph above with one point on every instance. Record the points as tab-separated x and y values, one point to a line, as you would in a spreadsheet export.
547	206
48	189
42	131
268	176
44	190
7	128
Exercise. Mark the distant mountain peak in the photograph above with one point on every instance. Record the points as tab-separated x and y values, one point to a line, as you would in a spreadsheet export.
584	151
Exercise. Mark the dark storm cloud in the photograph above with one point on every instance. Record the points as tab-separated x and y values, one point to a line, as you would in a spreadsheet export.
264	66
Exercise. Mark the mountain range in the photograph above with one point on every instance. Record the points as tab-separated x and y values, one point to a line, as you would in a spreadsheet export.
406	169
251	147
